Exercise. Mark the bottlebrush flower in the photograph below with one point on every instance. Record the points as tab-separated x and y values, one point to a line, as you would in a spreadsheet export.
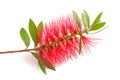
59	40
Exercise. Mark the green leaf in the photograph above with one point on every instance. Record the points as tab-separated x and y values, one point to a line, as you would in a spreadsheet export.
33	32
86	19
25	37
40	27
35	55
39	62
48	64
76	17
97	19
98	26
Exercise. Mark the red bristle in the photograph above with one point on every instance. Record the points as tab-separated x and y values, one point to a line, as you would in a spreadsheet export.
87	43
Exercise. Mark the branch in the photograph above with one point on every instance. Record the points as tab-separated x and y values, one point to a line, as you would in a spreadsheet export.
23	50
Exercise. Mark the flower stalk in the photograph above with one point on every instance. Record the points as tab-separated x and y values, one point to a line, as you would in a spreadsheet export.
23	50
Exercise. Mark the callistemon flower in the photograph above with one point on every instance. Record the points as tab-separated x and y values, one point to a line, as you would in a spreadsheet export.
59	40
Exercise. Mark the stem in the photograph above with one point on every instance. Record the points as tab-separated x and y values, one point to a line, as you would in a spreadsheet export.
23	50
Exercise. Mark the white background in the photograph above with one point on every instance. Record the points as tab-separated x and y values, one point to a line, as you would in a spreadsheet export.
103	63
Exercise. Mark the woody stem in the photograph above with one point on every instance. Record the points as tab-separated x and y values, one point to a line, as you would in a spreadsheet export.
23	50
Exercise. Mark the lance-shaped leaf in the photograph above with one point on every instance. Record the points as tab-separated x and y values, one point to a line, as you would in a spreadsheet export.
86	19
97	19
42	66
98	26
33	32
25	37
76	17
48	64
40	27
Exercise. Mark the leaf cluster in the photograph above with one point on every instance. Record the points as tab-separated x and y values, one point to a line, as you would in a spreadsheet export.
85	20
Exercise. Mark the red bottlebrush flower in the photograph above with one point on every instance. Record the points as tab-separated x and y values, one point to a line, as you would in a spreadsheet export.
58	43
